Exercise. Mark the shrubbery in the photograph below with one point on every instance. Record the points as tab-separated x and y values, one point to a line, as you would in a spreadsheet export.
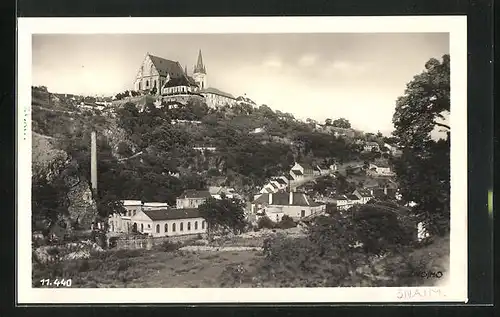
265	223
362	248
169	246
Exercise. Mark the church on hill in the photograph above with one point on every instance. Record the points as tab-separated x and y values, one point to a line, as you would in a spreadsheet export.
166	78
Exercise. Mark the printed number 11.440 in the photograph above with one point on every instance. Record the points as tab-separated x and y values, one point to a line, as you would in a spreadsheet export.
56	282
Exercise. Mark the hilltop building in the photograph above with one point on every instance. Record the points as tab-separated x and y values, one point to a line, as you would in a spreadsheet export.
168	80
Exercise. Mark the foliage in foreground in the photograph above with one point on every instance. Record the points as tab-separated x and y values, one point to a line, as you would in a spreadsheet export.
358	249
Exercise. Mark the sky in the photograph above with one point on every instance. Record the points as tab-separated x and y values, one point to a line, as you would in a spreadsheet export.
330	75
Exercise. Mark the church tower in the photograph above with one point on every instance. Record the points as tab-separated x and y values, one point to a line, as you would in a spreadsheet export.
200	73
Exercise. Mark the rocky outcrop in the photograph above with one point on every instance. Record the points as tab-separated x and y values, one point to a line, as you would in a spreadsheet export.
50	162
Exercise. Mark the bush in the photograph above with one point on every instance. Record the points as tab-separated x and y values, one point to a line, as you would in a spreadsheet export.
169	246
266	223
286	223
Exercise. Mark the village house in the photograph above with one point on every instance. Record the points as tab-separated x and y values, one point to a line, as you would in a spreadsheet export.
345	202
217	192
192	198
326	170
371	146
301	170
363	195
169	222
380	169
293	204
132	207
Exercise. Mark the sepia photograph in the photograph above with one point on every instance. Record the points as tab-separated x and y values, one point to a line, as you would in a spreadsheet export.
235	162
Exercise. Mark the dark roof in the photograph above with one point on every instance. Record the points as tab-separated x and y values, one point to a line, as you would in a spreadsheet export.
216	91
341	197
364	192
352	197
297	172
306	166
192	193
281	181
171	214
167	67
274	185
178	81
289	177
282	199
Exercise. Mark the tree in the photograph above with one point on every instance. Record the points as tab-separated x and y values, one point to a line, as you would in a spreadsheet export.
423	170
341	123
328	122
225	214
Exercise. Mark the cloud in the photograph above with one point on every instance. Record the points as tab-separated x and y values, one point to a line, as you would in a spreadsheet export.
308	60
347	67
272	62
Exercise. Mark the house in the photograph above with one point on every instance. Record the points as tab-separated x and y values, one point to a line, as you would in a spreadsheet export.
301	170
324	170
293	204
217	192
169	222
380	168
371	146
132	207
192	198
345	202
363	194
282	181
394	150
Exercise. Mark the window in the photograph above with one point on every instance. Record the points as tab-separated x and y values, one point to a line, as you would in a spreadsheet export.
173	227
189	226
147	83
166	227
302	213
203	224
149	226
142	227
181	227
157	228
196	225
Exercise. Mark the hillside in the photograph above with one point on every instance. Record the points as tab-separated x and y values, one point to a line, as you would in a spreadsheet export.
157	145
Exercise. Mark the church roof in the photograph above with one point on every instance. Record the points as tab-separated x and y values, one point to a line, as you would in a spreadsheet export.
217	92
179	81
167	67
200	68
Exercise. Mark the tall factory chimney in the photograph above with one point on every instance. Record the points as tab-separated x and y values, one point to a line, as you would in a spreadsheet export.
93	162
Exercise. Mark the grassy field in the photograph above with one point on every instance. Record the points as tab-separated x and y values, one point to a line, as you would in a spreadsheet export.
169	267
147	268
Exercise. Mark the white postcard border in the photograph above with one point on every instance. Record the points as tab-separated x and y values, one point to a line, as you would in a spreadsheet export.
454	291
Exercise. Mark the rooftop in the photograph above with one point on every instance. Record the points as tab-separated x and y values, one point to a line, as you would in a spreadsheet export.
172	214
216	91
283	199
167	67
364	192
